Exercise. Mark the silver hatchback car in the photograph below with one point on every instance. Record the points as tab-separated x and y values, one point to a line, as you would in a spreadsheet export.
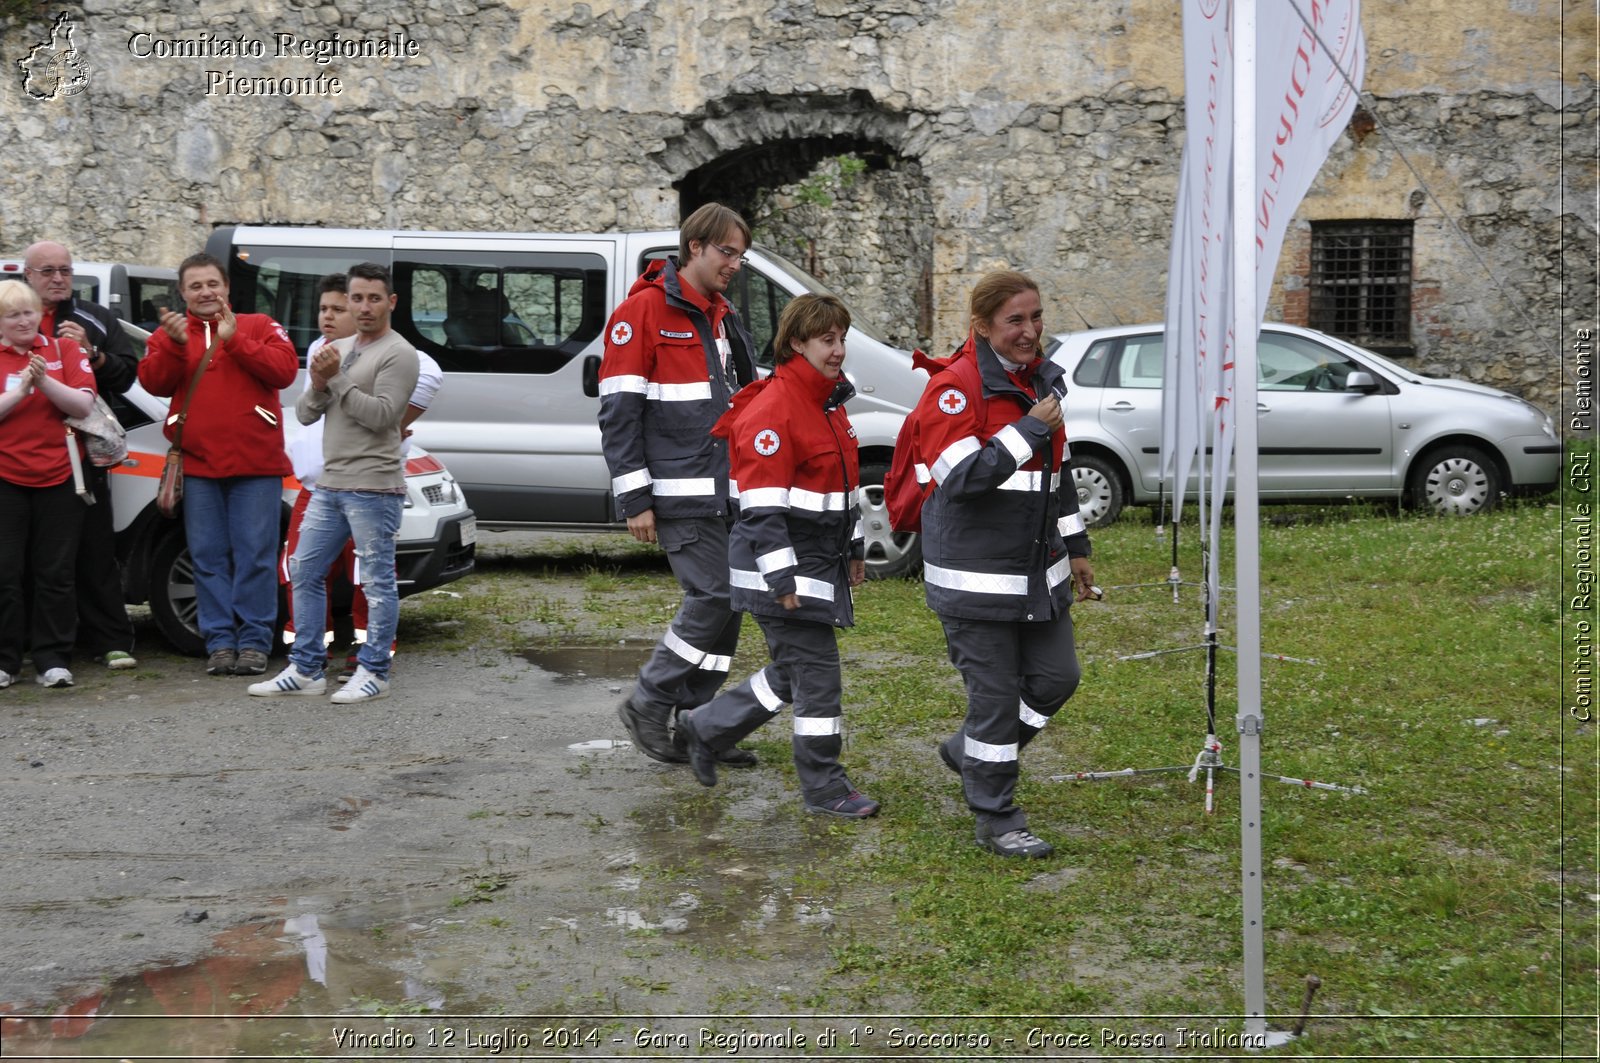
1335	421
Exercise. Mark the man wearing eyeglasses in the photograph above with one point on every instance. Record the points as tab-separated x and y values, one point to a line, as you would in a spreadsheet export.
103	625
675	354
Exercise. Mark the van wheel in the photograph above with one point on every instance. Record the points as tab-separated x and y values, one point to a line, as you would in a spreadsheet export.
1100	494
890	554
173	604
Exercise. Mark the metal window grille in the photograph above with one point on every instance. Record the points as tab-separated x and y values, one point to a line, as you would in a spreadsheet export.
1361	282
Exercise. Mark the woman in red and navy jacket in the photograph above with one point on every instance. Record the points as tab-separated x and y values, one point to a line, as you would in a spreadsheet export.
233	458
1003	545
45	381
794	554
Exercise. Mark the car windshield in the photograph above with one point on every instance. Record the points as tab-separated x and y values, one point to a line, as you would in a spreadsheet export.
812	284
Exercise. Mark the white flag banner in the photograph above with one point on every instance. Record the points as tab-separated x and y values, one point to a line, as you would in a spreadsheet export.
1304	50
1197	312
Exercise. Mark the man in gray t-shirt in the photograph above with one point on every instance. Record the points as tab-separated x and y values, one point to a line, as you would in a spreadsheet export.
360	386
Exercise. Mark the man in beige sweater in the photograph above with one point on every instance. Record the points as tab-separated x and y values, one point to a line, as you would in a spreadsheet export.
360	386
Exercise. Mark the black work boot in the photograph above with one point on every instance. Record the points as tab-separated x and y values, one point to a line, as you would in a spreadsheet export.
648	733
702	758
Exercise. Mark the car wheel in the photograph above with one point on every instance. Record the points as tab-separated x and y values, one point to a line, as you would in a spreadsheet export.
173	604
890	554
1100	494
1455	480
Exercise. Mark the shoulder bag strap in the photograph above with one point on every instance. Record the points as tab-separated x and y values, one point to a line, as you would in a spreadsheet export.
182	415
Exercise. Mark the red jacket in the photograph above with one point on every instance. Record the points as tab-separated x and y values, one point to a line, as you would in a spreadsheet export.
797	474
33	437
663	385
233	426
1002	524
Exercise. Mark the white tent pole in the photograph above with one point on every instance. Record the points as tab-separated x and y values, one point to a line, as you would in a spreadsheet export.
1247	545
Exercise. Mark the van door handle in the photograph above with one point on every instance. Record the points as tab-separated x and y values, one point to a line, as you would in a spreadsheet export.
591	376
1122	406
1262	407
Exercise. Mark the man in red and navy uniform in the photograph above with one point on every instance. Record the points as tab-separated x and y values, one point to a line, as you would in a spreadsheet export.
675	354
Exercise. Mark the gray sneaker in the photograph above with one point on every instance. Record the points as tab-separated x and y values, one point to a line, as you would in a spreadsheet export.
250	662
853	805
221	662
1014	843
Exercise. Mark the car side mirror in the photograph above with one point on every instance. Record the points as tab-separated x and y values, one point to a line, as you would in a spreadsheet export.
1361	381
591	376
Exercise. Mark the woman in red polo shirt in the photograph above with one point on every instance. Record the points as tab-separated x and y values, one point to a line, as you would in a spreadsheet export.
40	512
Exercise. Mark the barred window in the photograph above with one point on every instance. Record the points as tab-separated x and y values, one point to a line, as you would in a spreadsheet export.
1361	283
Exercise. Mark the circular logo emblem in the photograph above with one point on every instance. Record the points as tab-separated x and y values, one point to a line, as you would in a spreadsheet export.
767	442
71	71
952	401
621	333
85	366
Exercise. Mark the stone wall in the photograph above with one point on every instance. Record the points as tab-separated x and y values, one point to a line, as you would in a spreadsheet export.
1043	135
864	230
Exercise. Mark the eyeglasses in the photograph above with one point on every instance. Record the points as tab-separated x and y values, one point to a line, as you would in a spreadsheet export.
49	271
728	252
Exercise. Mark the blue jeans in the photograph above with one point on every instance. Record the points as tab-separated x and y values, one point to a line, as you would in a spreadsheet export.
372	519
232	526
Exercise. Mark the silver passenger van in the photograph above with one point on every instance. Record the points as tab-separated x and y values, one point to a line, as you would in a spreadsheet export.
516	321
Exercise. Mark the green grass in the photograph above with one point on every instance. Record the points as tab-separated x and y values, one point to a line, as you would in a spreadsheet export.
1450	909
1438	893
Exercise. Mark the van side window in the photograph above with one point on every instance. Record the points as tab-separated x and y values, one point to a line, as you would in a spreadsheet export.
759	302
281	282
500	312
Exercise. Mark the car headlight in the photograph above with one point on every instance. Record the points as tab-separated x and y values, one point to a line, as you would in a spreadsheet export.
1546	422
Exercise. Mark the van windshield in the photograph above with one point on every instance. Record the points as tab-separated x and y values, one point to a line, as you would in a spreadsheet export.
281	282
812	284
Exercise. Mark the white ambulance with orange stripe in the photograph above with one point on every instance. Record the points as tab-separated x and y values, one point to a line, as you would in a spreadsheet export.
436	544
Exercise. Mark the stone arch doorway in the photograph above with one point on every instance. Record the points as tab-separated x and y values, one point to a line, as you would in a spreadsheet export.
828	182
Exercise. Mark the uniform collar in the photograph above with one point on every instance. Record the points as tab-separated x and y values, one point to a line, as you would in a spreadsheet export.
814	384
712	306
995	371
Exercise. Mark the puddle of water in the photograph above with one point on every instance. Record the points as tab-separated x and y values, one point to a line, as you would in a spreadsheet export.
287	985
599	745
256	995
586	663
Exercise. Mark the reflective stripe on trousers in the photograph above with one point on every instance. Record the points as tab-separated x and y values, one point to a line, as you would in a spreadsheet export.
690	662
805	673
1017	675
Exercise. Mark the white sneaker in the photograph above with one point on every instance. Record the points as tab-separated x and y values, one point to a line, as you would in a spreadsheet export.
6	679
363	686
288	682
55	678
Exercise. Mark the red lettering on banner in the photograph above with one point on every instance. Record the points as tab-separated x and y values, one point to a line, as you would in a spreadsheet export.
1288	119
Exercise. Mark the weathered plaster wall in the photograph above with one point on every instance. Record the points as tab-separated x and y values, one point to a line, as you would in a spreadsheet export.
1044	135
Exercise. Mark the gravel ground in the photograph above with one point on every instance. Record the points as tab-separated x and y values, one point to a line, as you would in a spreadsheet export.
482	841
